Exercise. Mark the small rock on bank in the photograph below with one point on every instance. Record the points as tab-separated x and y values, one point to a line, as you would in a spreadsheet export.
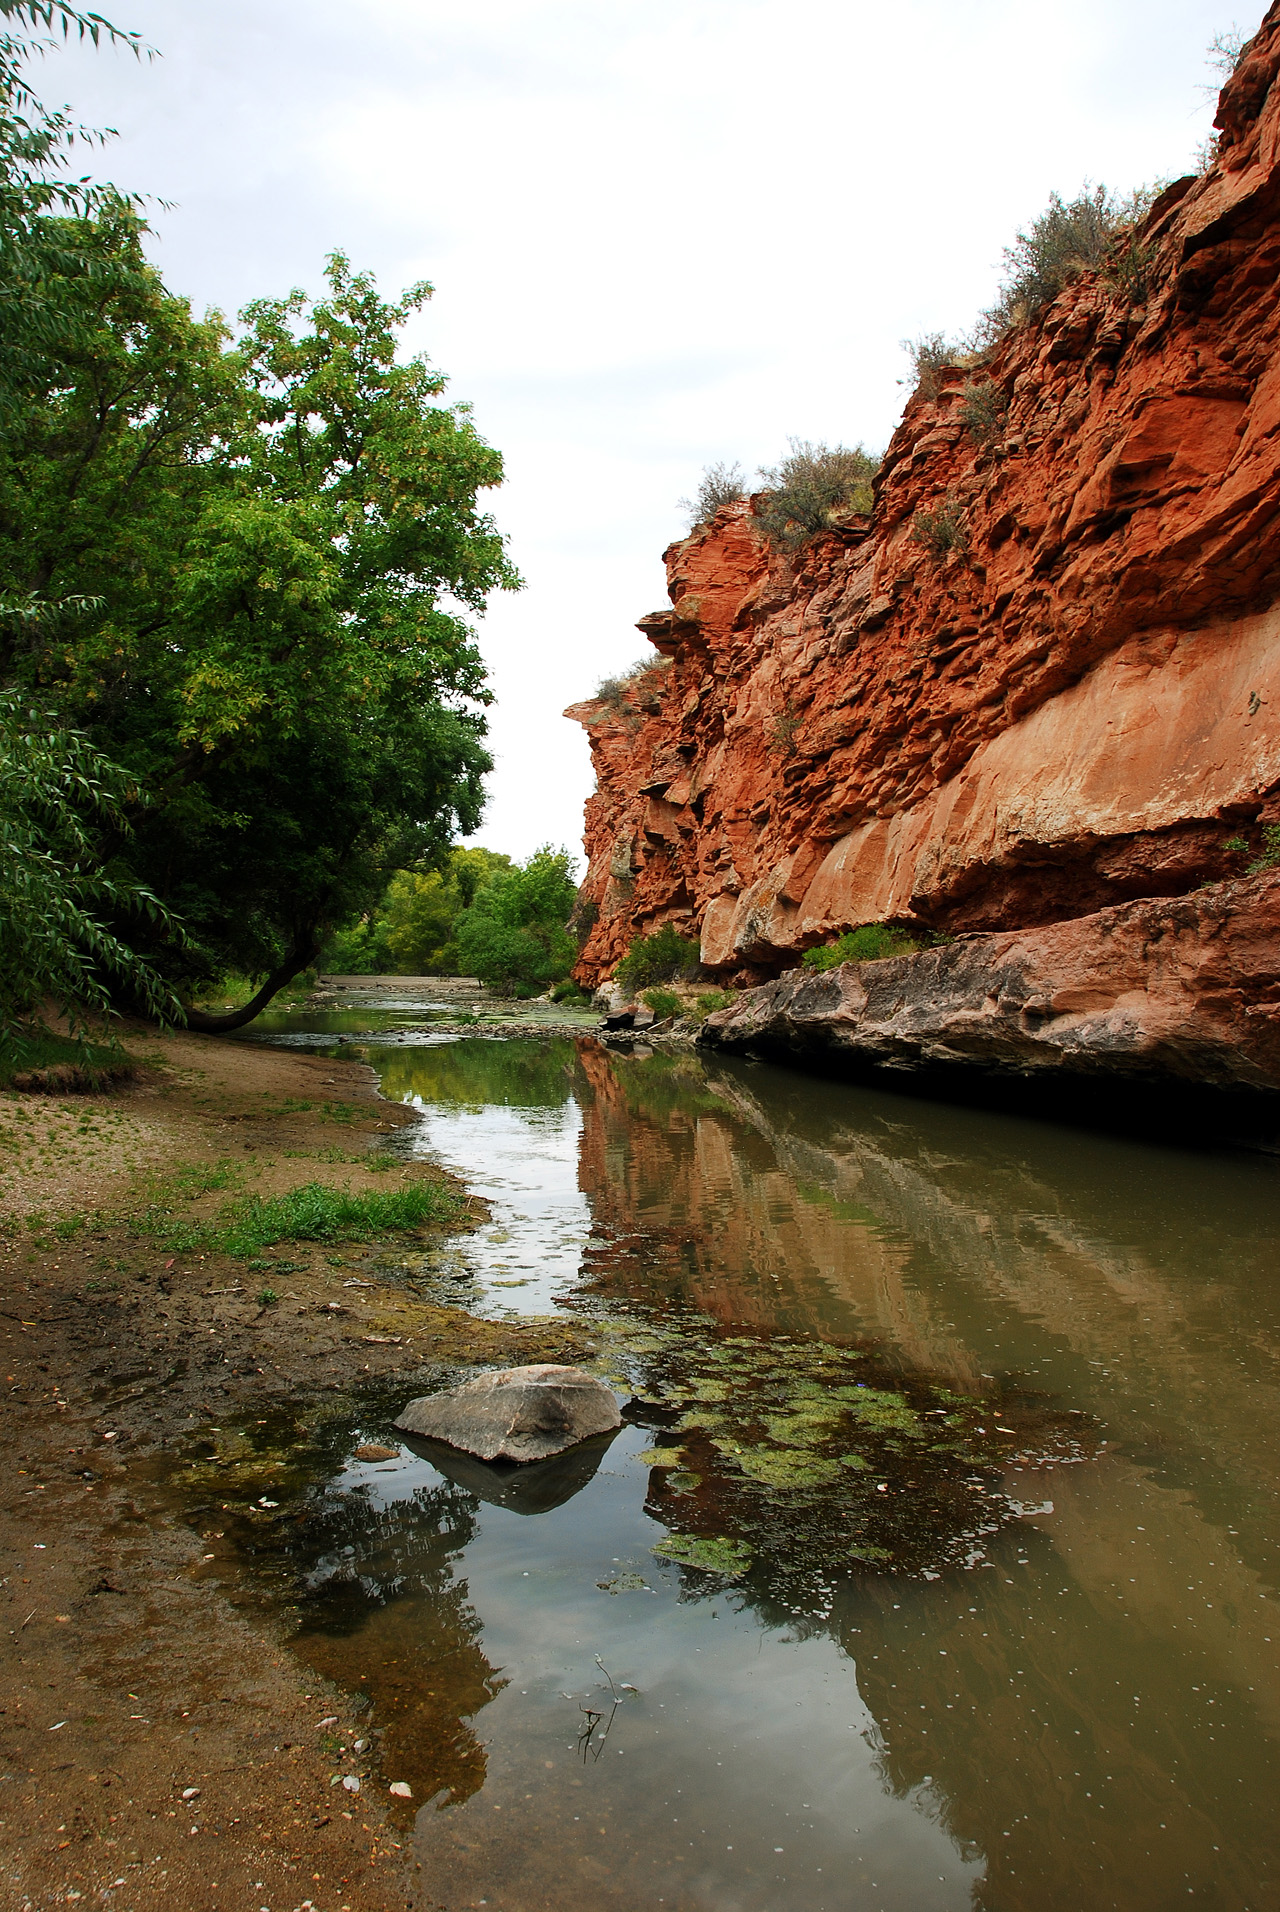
518	1414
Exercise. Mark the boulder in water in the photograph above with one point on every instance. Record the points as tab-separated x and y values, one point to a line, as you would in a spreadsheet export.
516	1414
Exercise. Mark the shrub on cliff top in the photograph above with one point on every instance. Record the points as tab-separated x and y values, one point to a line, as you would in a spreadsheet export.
722	484
931	355
664	957
640	687
1085	234
811	487
869	943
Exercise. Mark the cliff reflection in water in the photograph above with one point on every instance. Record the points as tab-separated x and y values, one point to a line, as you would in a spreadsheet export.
1099	1710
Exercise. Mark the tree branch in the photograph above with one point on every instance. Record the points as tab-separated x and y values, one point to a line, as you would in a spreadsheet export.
304	952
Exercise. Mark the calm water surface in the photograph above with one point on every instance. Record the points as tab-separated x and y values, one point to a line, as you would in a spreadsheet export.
1088	1718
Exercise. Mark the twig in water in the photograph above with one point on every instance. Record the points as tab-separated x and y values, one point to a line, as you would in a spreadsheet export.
593	1716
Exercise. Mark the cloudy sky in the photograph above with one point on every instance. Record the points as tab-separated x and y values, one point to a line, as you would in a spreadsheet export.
661	232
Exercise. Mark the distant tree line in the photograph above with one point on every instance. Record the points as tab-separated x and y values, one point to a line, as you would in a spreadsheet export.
480	915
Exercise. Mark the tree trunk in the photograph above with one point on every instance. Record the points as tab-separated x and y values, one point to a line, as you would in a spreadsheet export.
299	956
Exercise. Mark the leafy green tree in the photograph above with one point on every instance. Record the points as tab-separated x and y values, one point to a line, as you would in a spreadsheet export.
422	910
57	792
239	568
38	253
54	894
513	937
284	534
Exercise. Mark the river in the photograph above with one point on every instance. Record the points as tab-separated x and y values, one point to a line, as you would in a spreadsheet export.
1075	1704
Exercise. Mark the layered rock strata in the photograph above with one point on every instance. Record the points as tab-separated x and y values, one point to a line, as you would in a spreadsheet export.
1073	706
1184	989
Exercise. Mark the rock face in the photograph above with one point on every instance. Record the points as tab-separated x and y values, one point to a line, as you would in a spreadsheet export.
1178	989
1076	706
518	1414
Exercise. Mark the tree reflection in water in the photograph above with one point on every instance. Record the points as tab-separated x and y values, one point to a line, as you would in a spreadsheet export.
384	1612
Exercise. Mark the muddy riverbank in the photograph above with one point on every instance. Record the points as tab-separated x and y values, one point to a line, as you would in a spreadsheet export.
128	1679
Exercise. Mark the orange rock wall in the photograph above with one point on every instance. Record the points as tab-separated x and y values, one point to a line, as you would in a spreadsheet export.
1080	709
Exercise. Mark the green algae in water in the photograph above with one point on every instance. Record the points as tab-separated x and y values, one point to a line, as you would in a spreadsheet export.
775	1468
708	1553
819	1463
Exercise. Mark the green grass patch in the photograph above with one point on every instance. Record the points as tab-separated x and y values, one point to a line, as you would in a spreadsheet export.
35	1059
316	1213
312	1212
869	943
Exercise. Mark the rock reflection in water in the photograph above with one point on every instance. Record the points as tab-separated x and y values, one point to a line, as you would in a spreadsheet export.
530	1487
1100	1709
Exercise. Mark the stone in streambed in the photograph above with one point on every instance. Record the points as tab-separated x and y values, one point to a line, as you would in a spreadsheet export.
517	1414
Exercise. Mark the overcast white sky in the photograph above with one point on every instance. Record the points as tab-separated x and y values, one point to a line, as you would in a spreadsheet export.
661	232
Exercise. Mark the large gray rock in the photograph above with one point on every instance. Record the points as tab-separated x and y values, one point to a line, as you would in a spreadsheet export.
517	1414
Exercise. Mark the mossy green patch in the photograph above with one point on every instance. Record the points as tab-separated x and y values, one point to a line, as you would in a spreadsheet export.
776	1467
877	1408
820	1460
708	1553
803	1429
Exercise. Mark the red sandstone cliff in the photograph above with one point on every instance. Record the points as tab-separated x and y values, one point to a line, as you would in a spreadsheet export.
1079	710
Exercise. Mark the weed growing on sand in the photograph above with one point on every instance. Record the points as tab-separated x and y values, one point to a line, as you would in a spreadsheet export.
202	1179
309	1213
316	1213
